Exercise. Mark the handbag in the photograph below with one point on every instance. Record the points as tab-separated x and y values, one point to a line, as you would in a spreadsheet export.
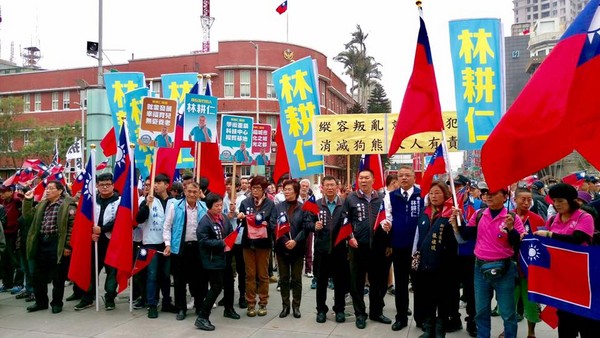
416	260
494	269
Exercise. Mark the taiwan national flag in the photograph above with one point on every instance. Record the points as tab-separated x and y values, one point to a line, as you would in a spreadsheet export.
122	160
345	231
81	238
421	110
380	216
282	8
575	179
283	226
311	206
437	165
109	143
78	183
563	275
143	259
231	238
563	92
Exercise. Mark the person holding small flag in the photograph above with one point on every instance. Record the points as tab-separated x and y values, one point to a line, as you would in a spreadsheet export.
151	218
49	243
330	260
181	244
368	243
211	232
292	225
236	253
434	260
257	241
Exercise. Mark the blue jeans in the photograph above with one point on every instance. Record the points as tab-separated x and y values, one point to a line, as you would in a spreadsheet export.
505	296
158	276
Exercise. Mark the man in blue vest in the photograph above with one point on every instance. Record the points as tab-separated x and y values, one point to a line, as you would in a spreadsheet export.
403	208
179	234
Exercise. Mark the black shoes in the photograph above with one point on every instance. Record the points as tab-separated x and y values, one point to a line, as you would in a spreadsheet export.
453	324
139	304
285	312
382	319
230	313
83	304
204	324
296	311
181	315
471	327
36	307
243	303
321	317
340	317
169	308
398	325
56	309
361	322
152	312
73	297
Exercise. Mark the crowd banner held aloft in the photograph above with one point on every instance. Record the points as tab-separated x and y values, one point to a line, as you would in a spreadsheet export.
236	137
117	85
298	95
357	134
477	52
200	118
157	125
133	109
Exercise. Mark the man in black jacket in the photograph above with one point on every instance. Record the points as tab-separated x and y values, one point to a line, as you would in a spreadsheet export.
330	260
367	249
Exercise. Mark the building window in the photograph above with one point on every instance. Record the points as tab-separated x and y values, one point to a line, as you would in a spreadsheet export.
26	137
229	83
323	86
54	100
83	98
244	83
535	16
272	120
156	86
66	100
38	102
270	86
26	103
245	170
545	14
545	6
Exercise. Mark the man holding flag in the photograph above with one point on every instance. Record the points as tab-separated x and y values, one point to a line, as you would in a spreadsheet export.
49	243
181	243
368	246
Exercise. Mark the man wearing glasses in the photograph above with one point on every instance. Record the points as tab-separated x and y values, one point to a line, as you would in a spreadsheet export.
107	203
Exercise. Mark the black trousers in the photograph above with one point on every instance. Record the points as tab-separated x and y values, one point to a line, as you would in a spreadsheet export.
290	278
402	259
332	265
48	270
187	269
433	294
364	260
12	274
139	279
465	275
569	325
240	269
215	278
228	281
110	283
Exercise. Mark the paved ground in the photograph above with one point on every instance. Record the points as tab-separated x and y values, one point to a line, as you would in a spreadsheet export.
16	322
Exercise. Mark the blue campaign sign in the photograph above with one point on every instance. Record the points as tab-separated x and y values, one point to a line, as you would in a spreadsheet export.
200	118
477	49
236	138
175	86
298	95
133	108
117	85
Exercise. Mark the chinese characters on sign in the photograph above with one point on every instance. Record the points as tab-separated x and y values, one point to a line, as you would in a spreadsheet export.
117	85
477	50
297	93
200	119
261	144
157	126
236	135
354	134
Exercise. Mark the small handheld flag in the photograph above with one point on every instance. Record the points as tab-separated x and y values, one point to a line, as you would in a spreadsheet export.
282	8
311	206
345	231
143	259
283	226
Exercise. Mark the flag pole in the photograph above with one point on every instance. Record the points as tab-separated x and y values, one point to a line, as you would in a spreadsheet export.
348	170
133	191
233	194
153	175
449	171
287	25
198	163
93	159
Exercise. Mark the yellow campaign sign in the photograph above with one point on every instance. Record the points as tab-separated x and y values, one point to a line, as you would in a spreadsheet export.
356	134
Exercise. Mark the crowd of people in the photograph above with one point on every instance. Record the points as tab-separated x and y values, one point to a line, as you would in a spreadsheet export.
424	244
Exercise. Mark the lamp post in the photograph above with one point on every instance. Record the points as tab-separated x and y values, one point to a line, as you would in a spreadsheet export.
257	104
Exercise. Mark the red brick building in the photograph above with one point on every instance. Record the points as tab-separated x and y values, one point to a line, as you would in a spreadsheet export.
53	97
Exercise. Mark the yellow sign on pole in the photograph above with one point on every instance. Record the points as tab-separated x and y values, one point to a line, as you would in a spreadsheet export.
356	134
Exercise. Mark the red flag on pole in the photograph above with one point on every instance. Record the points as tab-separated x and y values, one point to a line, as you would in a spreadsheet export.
437	165
143	259
421	110
345	231
282	166
211	167
109	143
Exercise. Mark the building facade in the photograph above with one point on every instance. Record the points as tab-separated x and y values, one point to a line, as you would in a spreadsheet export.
54	97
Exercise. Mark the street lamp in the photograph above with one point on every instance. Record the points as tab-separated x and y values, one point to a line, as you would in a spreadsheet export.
257	105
